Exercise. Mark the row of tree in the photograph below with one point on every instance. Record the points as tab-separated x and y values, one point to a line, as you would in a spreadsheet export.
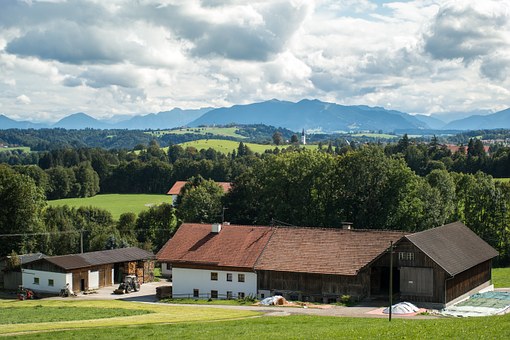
27	224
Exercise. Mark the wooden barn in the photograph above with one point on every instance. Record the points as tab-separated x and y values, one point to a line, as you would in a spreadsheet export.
435	267
88	270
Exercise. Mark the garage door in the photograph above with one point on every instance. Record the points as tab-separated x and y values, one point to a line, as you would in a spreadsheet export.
416	281
93	279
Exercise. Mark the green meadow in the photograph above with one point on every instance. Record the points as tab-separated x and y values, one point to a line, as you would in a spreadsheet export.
217	131
22	148
226	146
117	204
159	321
501	277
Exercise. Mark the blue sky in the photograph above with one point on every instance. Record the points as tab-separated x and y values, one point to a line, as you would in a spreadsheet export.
119	57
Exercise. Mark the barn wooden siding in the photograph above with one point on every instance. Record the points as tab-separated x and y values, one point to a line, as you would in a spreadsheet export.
420	261
314	287
468	280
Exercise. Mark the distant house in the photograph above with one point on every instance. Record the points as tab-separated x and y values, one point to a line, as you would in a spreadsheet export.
88	270
176	189
10	278
433	267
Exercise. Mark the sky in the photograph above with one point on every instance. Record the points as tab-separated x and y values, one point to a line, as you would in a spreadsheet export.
125	57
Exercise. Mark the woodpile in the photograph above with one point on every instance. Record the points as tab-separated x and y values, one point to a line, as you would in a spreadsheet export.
163	292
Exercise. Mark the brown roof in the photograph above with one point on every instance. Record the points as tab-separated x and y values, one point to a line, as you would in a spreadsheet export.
454	247
177	187
96	258
324	250
233	246
294	249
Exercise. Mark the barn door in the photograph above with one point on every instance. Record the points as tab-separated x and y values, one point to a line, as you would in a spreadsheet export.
416	281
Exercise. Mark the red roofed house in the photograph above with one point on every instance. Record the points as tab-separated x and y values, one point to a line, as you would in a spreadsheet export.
176	189
434	267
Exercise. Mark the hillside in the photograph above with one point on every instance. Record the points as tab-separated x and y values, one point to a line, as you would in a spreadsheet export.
497	120
311	114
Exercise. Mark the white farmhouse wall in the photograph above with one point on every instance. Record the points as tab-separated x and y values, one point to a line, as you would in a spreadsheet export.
184	280
59	280
166	270
93	279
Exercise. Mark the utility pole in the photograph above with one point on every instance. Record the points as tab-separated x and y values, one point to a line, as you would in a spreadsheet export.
81	241
391	279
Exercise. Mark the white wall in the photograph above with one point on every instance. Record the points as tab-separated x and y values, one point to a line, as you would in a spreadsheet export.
166	269
185	280
59	280
93	279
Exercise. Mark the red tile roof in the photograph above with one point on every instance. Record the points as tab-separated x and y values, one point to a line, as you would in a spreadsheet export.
233	246
324	250
177	187
292	249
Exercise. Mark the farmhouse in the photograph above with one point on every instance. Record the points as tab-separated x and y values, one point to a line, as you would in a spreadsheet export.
88	270
433	267
10	276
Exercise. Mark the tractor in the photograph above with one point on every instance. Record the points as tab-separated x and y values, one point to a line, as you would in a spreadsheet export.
130	284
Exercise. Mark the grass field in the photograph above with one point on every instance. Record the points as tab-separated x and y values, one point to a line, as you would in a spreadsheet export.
375	135
125	315
226	146
193	322
501	277
22	148
224	131
115	203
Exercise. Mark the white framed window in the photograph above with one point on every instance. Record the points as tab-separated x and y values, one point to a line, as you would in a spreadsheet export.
240	277
214	276
229	276
406	256
36	280
51	282
240	295
229	295
214	294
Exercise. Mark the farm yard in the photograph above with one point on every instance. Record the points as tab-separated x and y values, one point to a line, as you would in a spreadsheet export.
116	204
217	131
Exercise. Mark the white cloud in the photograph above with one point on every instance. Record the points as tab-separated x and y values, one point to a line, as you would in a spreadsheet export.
125	57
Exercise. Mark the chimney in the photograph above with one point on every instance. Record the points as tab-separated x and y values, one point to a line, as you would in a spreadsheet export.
216	228
347	225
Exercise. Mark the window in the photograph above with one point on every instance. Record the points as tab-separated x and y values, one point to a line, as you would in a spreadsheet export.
229	295
196	293
240	295
240	277
51	283
214	294
214	276
406	256
229	276
36	280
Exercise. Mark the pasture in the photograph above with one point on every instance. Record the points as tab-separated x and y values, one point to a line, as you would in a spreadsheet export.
191	322
226	146
25	149
501	277
216	131
375	135
116	204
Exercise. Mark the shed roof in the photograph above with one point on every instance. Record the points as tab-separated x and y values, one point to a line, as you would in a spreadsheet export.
96	258
177	187
234	246
454	247
324	250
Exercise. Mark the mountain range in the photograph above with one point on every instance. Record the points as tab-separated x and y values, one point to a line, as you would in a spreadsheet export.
305	114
